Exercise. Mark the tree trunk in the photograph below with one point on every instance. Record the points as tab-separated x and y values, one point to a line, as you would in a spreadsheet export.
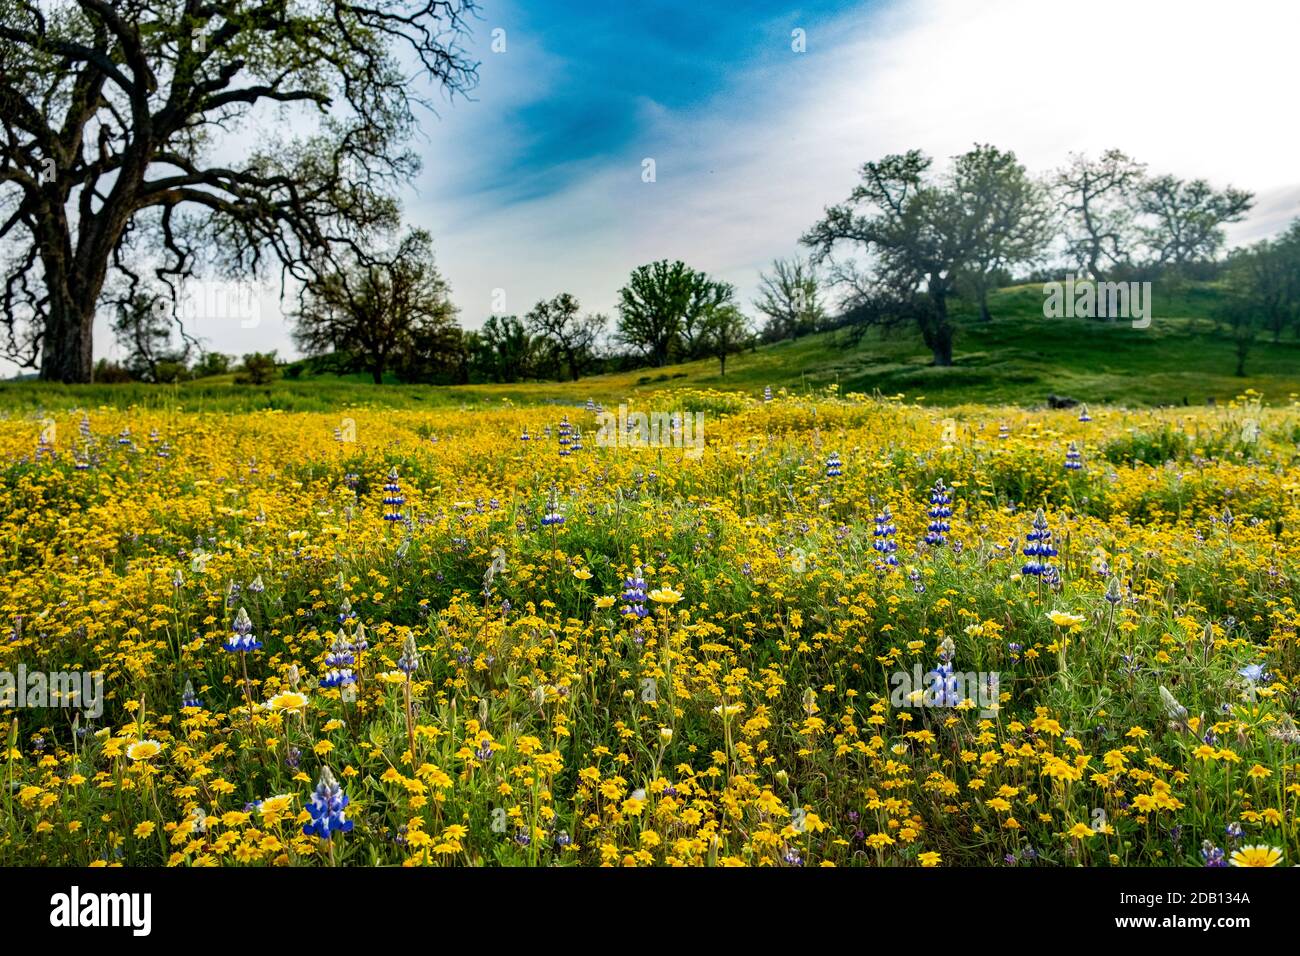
941	348
67	349
377	373
722	366
74	280
985	315
938	332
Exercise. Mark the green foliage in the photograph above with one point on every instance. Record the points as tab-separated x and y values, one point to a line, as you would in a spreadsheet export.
663	308
259	369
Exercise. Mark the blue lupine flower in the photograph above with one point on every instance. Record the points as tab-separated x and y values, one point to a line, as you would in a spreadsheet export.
45	447
525	436
564	430
243	640
338	663
767	393
918	585
1073	460
553	514
189	698
884	535
340	653
393	499
940	511
1083	414
834	467
1213	855
1253	673
634	596
345	609
327	807
1038	548
1004	431
951	686
947	683
1113	595
409	662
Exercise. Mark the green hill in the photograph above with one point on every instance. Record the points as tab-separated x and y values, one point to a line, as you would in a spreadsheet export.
1019	358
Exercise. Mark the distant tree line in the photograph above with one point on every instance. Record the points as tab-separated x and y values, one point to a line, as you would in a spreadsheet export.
916	241
393	314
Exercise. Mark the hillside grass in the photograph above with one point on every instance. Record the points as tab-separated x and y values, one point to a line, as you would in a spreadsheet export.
1019	358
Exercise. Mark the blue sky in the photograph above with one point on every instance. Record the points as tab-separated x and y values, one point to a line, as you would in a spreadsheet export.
600	70
533	186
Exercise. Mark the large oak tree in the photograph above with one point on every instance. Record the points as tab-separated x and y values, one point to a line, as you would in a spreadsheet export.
242	136
378	308
918	236
663	308
569	337
1097	198
1187	218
